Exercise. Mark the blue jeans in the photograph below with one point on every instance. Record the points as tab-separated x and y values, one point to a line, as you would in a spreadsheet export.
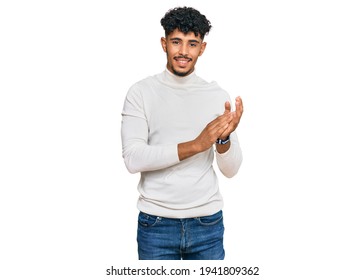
198	238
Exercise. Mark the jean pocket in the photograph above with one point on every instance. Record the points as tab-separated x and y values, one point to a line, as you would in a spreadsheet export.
210	220
147	220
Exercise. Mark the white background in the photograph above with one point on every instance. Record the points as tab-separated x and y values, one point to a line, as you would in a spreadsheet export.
67	203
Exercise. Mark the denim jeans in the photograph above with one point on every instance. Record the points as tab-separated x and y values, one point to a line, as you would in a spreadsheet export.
198	238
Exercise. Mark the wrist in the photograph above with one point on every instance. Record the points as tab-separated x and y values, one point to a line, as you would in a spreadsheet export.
221	149
188	149
223	141
194	146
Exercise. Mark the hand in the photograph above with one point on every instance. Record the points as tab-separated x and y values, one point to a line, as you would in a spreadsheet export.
220	127
212	131
235	117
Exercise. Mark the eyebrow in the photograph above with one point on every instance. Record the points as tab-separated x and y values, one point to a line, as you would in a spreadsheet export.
190	41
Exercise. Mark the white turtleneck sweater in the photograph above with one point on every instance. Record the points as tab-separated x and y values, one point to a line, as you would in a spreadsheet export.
159	113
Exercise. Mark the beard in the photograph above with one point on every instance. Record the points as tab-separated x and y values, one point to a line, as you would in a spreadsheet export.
179	73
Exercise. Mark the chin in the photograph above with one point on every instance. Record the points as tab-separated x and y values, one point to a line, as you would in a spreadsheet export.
181	73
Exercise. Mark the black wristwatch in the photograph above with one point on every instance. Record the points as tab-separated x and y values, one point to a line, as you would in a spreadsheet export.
223	141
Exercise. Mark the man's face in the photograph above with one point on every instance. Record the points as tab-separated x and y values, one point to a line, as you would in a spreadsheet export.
182	51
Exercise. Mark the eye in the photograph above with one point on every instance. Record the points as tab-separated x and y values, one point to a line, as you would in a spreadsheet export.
175	42
193	45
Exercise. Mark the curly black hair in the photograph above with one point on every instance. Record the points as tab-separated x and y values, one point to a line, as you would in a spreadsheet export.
186	19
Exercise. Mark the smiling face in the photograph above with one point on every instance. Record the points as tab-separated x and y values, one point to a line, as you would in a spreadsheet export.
182	51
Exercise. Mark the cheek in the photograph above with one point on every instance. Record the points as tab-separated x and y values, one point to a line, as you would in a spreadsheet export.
172	48
168	52
195	55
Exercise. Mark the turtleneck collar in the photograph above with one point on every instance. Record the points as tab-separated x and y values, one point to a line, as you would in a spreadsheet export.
172	78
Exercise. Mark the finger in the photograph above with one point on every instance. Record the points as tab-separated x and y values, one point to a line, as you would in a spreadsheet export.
239	106
216	131
229	129
220	119
225	133
227	107
220	122
220	133
238	102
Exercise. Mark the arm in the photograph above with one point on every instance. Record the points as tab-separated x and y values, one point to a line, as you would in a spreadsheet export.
206	138
229	156
230	161
221	127
140	156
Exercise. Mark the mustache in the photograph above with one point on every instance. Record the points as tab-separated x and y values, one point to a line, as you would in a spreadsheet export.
183	57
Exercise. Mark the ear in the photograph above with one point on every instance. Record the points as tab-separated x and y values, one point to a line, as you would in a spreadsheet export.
203	47
164	44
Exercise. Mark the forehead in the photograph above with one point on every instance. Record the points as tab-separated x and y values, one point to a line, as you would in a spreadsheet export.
180	35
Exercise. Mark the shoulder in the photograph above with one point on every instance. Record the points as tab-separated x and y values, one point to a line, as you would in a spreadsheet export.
142	83
141	86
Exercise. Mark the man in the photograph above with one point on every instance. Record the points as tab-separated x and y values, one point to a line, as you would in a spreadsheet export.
171	124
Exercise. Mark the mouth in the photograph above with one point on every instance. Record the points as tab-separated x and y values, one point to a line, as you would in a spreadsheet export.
182	61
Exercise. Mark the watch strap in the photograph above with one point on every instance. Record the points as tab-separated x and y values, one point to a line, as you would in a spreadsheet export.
223	141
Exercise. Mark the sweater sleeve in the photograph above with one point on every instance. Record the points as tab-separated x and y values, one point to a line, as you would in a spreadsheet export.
138	155
230	161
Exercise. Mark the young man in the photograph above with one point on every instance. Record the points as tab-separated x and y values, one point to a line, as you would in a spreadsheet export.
171	124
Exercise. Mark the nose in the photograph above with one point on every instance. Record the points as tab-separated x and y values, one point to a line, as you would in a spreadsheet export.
183	50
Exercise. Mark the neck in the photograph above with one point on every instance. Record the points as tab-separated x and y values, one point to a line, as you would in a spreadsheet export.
171	77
